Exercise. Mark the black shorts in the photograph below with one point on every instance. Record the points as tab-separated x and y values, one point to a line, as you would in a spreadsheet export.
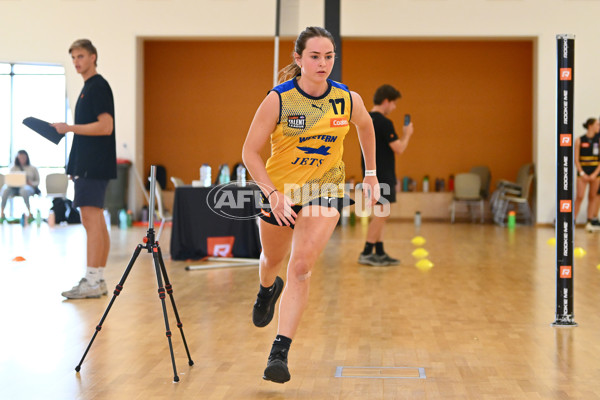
387	190
89	192
329	202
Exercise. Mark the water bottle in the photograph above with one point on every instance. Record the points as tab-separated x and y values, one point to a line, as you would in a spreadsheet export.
240	171
123	219
417	219
51	219
205	175
38	218
224	174
425	184
129	218
107	219
144	214
512	220
405	183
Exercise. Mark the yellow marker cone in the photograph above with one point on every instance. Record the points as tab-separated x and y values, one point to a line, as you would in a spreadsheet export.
598	266
420	253
418	241
424	265
551	241
579	252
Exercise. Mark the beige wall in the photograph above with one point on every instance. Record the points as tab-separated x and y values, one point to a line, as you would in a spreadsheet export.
41	30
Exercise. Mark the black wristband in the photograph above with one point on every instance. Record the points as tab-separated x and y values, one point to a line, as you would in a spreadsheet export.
274	190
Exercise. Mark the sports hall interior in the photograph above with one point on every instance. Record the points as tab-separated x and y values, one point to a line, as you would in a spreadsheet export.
479	80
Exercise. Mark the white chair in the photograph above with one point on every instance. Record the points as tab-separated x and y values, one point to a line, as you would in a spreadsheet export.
467	189
504	186
163	214
520	200
56	185
177	181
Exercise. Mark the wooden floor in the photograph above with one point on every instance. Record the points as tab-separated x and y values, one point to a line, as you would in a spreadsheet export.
474	326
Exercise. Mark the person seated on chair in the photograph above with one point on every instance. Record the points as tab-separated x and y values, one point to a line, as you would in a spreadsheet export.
21	164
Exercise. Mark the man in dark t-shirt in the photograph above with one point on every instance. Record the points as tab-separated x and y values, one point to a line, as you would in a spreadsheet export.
92	163
387	146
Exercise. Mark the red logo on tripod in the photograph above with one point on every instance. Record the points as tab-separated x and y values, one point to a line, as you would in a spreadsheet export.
220	246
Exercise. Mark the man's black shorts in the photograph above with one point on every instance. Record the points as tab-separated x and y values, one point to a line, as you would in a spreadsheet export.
387	191
89	192
329	202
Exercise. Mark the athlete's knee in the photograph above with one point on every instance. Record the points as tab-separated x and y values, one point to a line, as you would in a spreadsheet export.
270	260
301	270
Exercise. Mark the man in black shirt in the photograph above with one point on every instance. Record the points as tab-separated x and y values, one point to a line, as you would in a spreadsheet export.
92	163
387	146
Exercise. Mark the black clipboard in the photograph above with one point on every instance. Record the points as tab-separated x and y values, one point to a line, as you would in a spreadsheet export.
44	129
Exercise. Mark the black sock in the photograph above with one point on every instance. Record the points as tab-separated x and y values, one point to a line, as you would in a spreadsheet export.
368	248
379	248
281	343
266	291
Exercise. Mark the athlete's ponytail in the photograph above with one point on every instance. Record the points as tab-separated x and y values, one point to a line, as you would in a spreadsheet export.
292	70
589	122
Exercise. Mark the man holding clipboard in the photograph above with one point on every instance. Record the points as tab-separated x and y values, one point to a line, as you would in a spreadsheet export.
92	163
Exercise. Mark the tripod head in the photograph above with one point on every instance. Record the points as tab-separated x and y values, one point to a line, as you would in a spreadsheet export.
150	233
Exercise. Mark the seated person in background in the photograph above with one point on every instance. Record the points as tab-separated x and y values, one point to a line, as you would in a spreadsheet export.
21	164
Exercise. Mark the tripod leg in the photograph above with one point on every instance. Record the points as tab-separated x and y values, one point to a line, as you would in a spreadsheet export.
169	289
117	291
161	295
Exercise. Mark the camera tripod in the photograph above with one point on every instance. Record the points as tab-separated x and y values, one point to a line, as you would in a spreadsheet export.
150	244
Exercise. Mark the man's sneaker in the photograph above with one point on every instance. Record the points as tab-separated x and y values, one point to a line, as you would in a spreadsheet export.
264	307
593	225
103	287
277	369
385	258
83	290
371	259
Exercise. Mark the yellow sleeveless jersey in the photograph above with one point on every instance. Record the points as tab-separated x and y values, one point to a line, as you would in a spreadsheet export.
307	144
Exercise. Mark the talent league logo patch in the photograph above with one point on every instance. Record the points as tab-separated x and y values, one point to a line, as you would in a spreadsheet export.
565	74
565	206
565	271
296	121
338	122
565	140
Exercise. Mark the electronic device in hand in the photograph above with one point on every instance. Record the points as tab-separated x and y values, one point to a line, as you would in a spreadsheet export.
406	119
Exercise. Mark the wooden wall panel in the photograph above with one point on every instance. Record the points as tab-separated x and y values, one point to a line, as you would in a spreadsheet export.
471	101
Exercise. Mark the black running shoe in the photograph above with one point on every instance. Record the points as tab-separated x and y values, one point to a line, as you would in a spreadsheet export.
277	369
387	260
264	308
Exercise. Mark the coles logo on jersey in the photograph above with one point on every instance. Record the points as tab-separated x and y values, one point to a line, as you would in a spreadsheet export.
296	121
338	122
585	145
565	74
565	140
565	271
